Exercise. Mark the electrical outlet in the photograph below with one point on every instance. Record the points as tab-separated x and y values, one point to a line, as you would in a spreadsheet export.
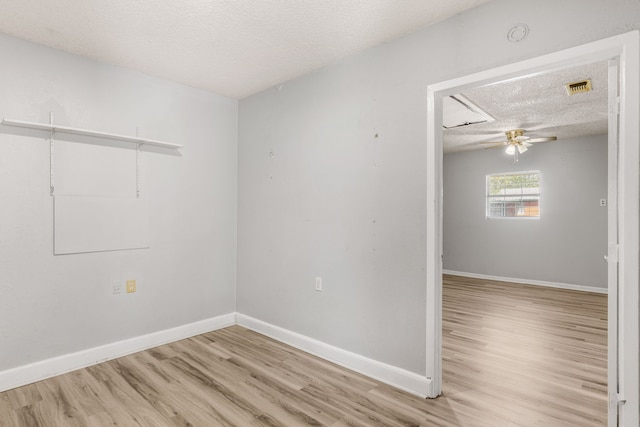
131	286
603	202
319	284
116	287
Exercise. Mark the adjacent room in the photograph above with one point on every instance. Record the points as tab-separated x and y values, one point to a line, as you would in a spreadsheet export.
221	213
525	234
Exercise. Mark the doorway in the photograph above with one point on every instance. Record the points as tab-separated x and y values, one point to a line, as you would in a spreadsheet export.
623	250
521	238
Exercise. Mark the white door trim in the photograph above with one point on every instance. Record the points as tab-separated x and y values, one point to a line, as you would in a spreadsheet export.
612	239
626	48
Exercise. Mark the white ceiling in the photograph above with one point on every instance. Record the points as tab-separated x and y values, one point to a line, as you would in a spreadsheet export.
540	105
234	48
239	47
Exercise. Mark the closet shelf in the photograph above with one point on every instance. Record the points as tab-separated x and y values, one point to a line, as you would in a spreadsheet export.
85	132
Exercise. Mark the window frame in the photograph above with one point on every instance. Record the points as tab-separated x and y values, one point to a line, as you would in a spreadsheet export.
488	197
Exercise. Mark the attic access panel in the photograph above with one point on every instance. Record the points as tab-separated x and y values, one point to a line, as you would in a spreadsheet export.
459	111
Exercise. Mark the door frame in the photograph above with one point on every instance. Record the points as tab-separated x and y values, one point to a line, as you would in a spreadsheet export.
626	49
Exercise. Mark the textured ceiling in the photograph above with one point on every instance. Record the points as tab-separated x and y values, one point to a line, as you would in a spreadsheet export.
234	48
540	105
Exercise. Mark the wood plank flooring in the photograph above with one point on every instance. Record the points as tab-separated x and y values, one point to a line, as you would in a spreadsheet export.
531	355
513	355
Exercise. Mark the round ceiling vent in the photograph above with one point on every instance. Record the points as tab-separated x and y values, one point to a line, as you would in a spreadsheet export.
518	33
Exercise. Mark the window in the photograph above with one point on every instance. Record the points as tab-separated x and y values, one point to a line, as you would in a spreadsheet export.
513	195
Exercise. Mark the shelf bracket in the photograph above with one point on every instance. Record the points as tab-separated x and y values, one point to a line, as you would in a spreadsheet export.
51	148
137	167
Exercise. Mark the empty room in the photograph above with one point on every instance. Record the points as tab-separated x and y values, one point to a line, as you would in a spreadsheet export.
252	213
525	234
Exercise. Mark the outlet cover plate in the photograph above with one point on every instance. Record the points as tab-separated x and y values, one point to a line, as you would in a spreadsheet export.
116	287
131	286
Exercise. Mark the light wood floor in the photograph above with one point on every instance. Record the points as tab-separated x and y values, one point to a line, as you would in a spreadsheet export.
525	355
513	355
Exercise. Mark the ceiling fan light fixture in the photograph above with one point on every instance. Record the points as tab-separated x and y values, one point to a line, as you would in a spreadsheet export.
514	134
517	143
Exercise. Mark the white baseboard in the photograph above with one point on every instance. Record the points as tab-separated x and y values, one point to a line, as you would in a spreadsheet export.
38	371
394	376
529	282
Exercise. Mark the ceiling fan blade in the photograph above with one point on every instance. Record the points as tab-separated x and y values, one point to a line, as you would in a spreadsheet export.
495	145
494	142
543	139
522	138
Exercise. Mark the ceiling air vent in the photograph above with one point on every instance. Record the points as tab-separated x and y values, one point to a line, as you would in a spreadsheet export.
578	87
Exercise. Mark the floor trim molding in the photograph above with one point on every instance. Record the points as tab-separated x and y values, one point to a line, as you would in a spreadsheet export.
529	282
22	375
392	375
48	368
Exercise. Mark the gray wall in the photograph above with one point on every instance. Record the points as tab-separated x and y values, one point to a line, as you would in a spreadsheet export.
337	201
566	244
54	305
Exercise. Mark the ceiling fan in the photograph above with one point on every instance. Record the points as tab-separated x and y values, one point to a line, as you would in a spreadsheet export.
517	142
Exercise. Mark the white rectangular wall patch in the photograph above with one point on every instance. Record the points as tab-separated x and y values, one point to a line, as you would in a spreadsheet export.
96	224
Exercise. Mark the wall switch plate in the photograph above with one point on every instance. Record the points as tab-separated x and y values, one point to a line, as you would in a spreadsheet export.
116	287
603	202
319	284
131	286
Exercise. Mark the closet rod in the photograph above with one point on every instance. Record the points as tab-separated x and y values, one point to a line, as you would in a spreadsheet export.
85	132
